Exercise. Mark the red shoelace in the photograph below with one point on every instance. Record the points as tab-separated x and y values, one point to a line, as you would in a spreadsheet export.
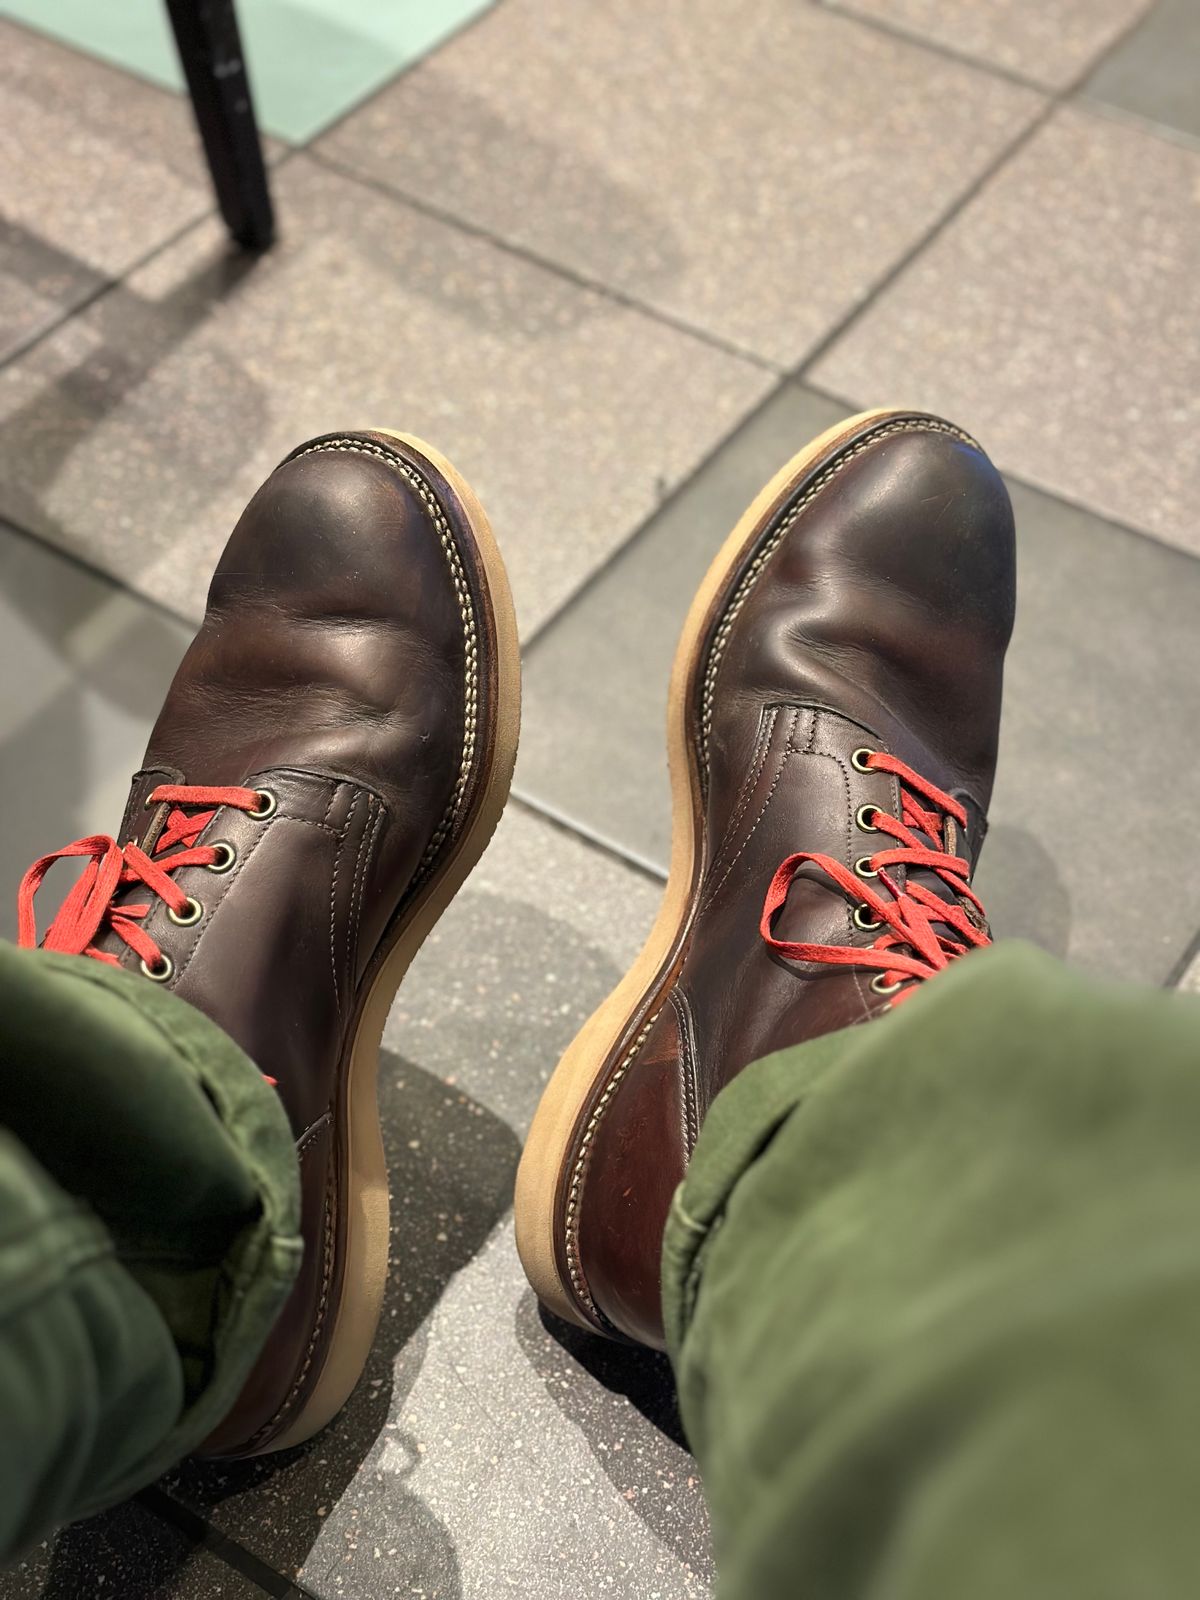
89	906
920	927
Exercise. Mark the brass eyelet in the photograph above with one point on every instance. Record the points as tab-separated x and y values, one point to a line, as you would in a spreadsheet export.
268	808
861	814
191	913
162	971
866	923
880	987
859	759
864	869
226	858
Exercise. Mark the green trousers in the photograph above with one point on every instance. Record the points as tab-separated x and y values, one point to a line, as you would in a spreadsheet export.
933	1296
932	1285
149	1232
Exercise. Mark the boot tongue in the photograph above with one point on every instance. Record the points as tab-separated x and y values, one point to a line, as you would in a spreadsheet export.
142	823
951	846
954	843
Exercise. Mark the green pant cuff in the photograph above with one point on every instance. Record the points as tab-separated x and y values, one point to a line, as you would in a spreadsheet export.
182	1100
740	1125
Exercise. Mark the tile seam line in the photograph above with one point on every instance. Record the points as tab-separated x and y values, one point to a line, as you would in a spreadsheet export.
209	213
191	621
593	577
396	196
1051	98
239	1558
1136	121
1081	78
521	800
455	34
1130	529
102	575
107	284
308	147
948	217
1071	93
1074	85
392	191
934	47
1180	969
580	280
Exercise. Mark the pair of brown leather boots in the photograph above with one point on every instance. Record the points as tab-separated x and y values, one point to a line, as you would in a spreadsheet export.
336	750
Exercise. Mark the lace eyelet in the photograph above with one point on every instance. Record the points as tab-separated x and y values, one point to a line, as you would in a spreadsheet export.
864	812
162	971
864	869
879	987
190	914
859	759
268	808
226	858
866	923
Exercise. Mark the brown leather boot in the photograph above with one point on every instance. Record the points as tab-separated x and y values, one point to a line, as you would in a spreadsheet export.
329	764
836	693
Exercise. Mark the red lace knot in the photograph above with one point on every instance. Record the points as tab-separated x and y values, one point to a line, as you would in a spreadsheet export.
923	932
89	908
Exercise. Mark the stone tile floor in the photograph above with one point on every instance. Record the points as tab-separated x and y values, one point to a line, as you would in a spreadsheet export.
620	287
359	44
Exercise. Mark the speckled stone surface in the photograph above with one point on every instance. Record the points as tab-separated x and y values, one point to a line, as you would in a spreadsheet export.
1190	982
486	1452
751	170
126	1554
139	431
83	668
1051	42
1153	71
1058	317
1104	656
95	170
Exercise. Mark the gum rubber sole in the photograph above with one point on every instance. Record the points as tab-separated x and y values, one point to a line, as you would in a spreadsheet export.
539	1206
365	1267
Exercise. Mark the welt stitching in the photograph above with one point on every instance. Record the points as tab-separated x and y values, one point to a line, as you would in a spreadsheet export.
687	1063
466	613
579	1171
310	1134
755	571
322	1304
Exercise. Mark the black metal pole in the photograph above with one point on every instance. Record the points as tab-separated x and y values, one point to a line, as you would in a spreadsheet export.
210	49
